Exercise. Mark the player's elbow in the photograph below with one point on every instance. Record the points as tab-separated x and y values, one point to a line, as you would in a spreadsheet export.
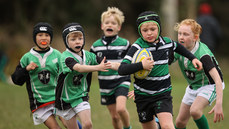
121	70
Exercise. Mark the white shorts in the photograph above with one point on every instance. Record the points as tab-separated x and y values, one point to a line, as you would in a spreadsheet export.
69	113
207	91
42	114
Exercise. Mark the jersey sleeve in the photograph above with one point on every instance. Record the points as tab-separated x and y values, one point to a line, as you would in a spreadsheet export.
64	67
126	66
207	63
20	75
70	62
171	57
127	69
180	49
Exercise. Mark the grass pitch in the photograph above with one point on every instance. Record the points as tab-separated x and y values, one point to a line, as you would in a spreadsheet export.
15	112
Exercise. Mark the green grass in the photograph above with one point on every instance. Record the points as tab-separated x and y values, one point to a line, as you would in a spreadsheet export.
15	112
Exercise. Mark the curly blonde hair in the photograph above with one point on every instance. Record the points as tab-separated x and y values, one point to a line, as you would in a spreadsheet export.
118	14
196	28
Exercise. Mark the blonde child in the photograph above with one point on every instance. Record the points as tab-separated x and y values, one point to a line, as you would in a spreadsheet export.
153	93
113	87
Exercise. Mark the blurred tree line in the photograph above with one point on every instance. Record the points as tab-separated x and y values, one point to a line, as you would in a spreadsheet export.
19	16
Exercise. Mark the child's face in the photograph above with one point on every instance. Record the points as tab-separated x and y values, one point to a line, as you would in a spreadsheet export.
43	40
149	31
186	37
75	41
110	26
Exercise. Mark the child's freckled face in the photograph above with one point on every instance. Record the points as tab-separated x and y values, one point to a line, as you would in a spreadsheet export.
186	37
149	31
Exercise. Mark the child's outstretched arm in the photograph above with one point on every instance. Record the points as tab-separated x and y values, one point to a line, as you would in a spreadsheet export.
184	52
127	69
91	68
115	65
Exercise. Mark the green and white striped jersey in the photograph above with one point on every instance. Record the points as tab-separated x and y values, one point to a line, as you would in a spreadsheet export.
158	80
114	52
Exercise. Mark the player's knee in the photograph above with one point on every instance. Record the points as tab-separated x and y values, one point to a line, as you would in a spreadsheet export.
165	126
87	125
195	113
121	110
55	127
115	118
180	124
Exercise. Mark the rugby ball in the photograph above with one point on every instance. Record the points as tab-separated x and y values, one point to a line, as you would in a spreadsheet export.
138	57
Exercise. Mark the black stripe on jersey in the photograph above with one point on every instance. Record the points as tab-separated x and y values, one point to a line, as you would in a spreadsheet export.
112	83
19	77
208	64
153	85
59	103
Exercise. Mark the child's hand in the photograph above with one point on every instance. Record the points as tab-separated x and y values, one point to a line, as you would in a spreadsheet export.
197	64
104	66
147	63
131	95
114	65
31	66
218	113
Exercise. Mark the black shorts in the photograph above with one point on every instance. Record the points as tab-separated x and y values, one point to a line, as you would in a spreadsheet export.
152	105
111	99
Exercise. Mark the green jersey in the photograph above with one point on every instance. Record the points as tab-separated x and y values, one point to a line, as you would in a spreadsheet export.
40	82
72	87
196	78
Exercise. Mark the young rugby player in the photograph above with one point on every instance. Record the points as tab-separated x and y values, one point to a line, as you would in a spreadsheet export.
39	69
153	94
205	86
72	88
113	87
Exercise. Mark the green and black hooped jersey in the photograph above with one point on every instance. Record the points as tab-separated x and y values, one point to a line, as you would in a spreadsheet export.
194	77
114	52
41	82
158	80
72	87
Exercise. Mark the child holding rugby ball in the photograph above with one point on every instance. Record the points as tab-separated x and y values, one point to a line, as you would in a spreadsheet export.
153	93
